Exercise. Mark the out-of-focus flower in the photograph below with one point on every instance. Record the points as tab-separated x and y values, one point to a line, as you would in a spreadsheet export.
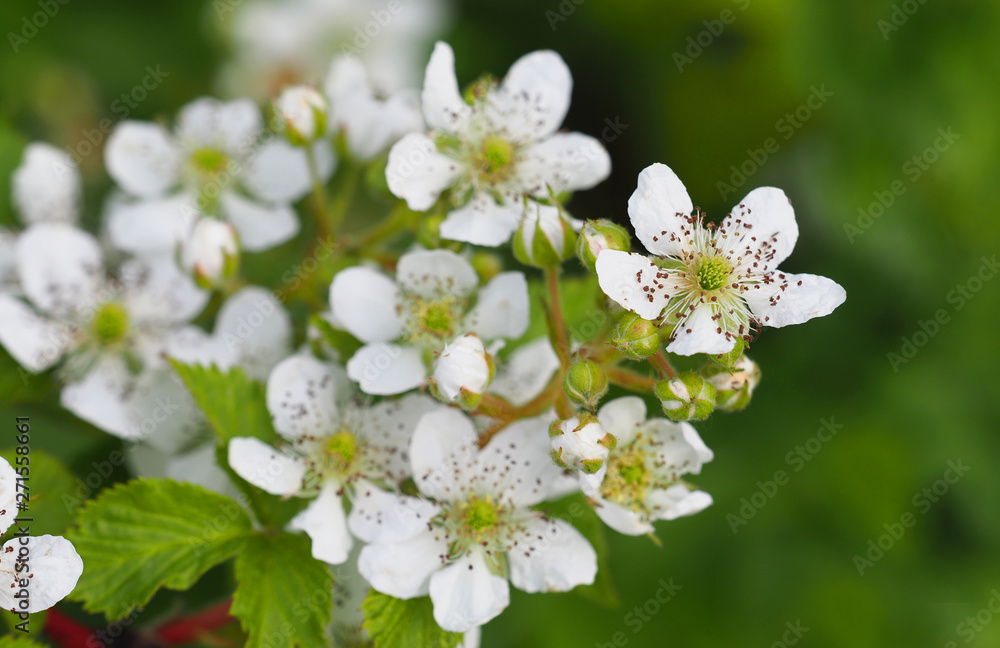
303	114
211	253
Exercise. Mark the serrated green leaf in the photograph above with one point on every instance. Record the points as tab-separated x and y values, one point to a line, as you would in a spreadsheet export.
283	595
150	533
394	623
15	641
52	491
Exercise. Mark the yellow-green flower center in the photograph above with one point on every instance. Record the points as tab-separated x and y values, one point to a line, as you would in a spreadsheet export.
209	161
480	514
433	322
628	477
713	273
342	449
110	323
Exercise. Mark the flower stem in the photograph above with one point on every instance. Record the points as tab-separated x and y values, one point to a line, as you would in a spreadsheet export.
630	380
395	222
560	339
663	366
320	197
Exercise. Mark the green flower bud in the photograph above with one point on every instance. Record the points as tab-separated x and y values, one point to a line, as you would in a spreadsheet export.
487	265
729	360
689	397
585	383
733	388
599	235
545	238
429	234
580	443
635	337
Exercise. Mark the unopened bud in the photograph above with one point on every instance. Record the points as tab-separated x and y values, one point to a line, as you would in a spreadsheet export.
597	236
302	111
580	443
689	397
733	389
635	337
212	253
487	265
585	383
545	238
729	360
463	371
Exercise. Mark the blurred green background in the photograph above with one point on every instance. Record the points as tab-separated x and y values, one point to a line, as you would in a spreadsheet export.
895	87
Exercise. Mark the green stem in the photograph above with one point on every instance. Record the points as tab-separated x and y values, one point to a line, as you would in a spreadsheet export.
320	196
394	223
630	380
663	366
344	196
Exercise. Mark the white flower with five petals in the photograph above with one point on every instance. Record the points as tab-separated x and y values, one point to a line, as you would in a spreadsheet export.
495	150
710	285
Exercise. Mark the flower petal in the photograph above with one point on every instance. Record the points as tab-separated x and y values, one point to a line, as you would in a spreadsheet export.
660	211
534	97
417	172
301	397
326	524
466	594
266	467
762	227
35	342
154	225
633	282
443	453
403	569
563	162
621	519
444	108
47	185
517	459
260	226
483	221
55	565
142	159
502	308
61	268
698	333
552	556
622	417
793	298
432	274
230	125
154	290
367	304
385	369
100	398
8	495
678	501
387	428
384	517
526	372
256	329
678	450
279	172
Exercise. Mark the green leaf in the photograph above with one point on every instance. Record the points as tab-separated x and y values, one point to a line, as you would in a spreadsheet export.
344	343
394	623
17	384
575	510
14	641
283	595
150	533
52	492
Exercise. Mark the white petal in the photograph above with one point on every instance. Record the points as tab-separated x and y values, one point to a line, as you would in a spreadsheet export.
622	520
100	398
502	308
765	214
533	99
160	410
527	371
153	225
265	467
326	525
230	125
403	569
678	501
794	298
633	282
260	226
279	172
552	556
142	159
385	369
444	108
198	466
517	458
384	517
466	594
367	304
156	291
61	268
659	209
563	162
387	428
8	495
256	329
443	453
698	333
622	417
483	221
678	449
301	397
462	365
47	185
417	173
55	568
433	274
35	342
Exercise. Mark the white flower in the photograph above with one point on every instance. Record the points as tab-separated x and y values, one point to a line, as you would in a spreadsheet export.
482	530
526	372
496	150
211	251
47	186
303	111
712	285
369	123
40	570
216	150
404	322
464	369
641	480
580	443
331	450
